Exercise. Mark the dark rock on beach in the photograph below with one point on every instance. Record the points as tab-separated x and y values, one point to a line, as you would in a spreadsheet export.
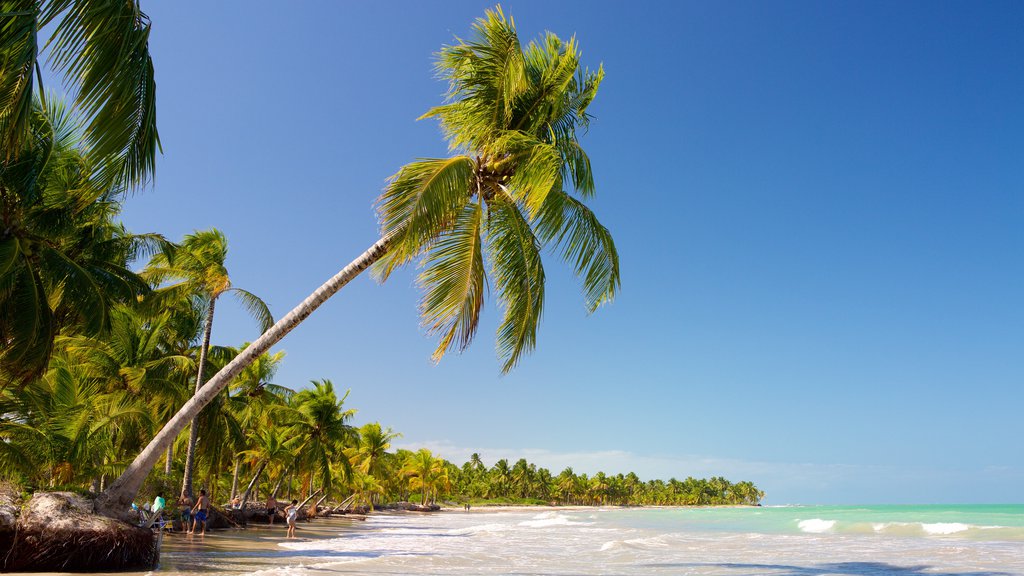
60	532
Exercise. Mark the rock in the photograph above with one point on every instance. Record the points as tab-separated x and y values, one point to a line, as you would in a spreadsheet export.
59	532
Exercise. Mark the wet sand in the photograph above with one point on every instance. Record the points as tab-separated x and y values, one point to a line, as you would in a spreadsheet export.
243	550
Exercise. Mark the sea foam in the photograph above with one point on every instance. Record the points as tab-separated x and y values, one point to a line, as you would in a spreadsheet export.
816	525
945	528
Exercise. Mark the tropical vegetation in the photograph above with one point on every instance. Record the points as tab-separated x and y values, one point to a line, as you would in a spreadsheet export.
106	336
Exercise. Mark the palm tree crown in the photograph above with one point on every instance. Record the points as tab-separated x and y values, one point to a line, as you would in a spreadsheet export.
512	119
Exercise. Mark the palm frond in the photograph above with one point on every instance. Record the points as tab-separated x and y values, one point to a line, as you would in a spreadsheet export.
18	54
584	243
78	289
26	324
256	308
486	76
104	47
420	202
519	278
453	281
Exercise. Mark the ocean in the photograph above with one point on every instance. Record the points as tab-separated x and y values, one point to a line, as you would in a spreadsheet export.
785	540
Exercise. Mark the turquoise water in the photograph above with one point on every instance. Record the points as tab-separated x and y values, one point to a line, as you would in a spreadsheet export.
784	541
977	522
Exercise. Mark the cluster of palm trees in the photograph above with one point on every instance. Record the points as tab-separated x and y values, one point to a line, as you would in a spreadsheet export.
96	360
525	482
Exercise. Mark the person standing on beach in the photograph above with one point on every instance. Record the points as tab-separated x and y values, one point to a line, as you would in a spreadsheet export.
200	511
291	514
185	505
271	508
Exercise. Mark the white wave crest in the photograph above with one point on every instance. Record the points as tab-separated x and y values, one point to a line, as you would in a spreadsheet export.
816	525
479	529
944	528
545	522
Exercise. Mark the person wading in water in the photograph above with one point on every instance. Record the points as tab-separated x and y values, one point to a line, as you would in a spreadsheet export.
199	512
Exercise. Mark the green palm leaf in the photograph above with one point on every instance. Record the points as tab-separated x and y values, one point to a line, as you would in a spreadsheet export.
18	53
519	278
453	281
256	308
104	46
584	243
422	200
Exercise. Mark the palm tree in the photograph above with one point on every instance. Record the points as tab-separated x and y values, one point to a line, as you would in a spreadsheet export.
501	478
512	116
63	260
269	448
367	456
425	473
320	428
102	48
196	268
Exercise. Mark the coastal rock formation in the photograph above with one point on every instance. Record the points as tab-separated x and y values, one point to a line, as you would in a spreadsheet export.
60	532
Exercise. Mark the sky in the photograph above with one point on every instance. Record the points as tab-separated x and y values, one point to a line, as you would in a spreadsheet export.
817	207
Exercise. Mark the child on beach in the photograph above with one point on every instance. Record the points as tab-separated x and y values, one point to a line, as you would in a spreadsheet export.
291	513
199	513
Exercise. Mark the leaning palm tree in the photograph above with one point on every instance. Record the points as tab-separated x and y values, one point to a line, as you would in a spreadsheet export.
102	48
196	268
514	186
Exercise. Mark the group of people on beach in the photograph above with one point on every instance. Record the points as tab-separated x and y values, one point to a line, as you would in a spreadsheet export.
194	513
198	512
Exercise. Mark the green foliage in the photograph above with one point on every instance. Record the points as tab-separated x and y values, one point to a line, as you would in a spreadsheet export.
63	258
102	48
512	118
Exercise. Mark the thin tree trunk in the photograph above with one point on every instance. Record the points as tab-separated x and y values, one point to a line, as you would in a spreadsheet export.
170	459
308	498
280	480
255	478
118	497
234	478
193	430
347	502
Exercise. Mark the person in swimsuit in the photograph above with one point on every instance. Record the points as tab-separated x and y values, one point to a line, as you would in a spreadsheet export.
185	505
271	508
200	511
291	514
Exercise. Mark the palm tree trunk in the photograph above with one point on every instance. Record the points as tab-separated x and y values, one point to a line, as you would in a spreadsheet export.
234	478
193	431
170	459
280	480
118	497
255	478
308	498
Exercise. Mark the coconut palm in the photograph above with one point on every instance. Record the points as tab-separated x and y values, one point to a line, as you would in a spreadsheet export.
515	185
367	456
66	427
321	430
425	473
63	260
102	48
196	268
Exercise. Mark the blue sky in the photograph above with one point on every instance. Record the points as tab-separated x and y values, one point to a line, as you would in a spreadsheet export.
817	206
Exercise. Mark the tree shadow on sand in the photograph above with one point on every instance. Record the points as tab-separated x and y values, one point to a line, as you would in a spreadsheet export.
832	569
